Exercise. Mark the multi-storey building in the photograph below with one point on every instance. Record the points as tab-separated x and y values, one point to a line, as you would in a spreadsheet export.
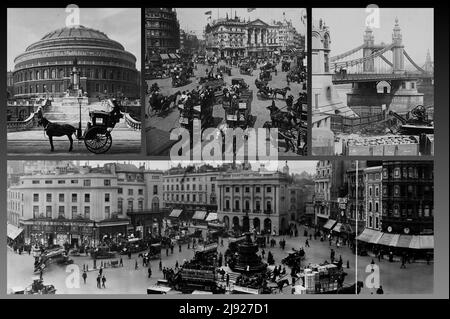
227	37
162	31
407	197
191	189
82	205
329	182
373	197
254	200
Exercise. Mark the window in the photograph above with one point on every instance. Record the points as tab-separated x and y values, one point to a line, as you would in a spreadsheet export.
107	197
74	181
74	211
269	206
247	205
194	198
48	182
60	211
120	190
87	183
61	198
120	205
247	189
258	205
87	198
35	197
377	207
227	189
213	188
74	198
227	204
107	182
48	211
377	191
258	189
269	189
107	212
236	189
35	211
130	192
155	190
140	204
61	181
130	205
236	205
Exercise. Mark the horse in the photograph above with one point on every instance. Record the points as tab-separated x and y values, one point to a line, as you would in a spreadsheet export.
282	283
282	92
55	129
280	119
166	102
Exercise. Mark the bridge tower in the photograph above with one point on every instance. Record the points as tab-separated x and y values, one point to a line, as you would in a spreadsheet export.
369	40
397	50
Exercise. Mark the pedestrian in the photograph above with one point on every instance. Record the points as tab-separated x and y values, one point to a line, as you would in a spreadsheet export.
179	248
221	242
380	290
98	281
167	252
164	272
176	264
100	271
228	280
136	266
160	265
373	262
121	262
307	243
84	276
263	253
171	249
103	281
149	272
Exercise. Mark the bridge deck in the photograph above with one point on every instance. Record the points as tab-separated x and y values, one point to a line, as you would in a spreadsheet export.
339	78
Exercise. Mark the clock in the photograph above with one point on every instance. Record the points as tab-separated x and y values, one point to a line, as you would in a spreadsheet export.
389	229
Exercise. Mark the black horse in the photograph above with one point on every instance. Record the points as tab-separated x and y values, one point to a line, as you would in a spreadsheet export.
281	119
55	129
282	92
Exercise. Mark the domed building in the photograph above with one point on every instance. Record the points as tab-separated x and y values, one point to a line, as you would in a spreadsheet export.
103	65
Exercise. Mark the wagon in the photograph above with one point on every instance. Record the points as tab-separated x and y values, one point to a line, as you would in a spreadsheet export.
246	69
265	75
239	113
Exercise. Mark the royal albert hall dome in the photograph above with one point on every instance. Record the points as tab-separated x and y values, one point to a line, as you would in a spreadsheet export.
105	67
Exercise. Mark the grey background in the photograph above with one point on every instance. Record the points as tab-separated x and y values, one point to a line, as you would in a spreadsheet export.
441	265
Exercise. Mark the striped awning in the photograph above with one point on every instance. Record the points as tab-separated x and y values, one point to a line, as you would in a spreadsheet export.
371	236
386	239
426	241
199	215
172	56
13	231
175	213
338	228
404	241
329	224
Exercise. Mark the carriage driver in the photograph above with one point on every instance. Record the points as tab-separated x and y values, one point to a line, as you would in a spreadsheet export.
116	113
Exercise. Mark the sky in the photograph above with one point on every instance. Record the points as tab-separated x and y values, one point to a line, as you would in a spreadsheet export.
194	19
347	28
294	166
28	25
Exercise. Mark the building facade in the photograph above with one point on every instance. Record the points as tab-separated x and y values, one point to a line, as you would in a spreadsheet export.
104	66
191	190
162	31
329	186
408	193
226	37
374	197
254	200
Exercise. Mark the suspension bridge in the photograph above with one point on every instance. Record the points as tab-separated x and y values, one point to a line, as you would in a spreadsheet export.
371	62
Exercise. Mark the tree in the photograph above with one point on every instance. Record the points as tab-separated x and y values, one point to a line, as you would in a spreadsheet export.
270	259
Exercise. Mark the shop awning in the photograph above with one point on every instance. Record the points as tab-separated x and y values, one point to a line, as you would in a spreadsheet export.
175	213
211	217
13	231
426	242
172	56
199	214
177	56
369	236
165	56
404	241
329	224
386	239
338	228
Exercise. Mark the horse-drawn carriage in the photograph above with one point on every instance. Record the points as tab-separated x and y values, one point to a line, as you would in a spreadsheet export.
246	69
202	110
268	67
96	136
238	113
265	75
292	128
180	79
285	66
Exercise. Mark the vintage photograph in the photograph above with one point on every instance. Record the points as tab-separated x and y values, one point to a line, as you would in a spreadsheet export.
227	69
74	81
160	227
372	82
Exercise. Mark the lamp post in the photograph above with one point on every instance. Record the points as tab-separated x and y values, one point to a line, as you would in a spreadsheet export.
79	123
94	227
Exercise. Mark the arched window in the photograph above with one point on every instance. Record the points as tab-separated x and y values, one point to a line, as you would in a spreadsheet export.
45	74
53	74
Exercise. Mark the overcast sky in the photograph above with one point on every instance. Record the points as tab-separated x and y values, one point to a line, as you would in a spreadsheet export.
347	29
26	26
294	166
194	19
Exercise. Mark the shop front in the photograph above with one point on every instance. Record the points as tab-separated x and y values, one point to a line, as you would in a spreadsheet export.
59	232
146	223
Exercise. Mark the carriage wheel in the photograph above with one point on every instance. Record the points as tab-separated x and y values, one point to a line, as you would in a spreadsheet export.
97	140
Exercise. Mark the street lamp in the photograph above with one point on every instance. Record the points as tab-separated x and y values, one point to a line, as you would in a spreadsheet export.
79	123
94	227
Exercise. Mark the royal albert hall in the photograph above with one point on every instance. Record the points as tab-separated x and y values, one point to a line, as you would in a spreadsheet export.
105	67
